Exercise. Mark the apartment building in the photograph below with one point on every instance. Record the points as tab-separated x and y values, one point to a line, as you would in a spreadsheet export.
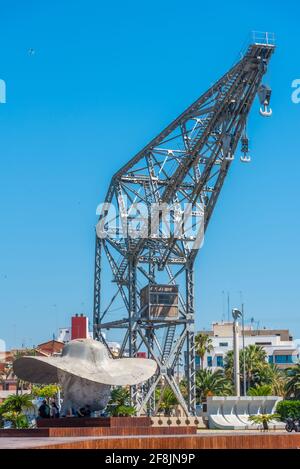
281	349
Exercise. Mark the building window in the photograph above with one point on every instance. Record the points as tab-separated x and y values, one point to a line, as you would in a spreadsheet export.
271	359
209	361
283	359
220	361
163	298
223	344
197	360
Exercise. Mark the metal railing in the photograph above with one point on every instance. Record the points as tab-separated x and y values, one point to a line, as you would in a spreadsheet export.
265	38
256	38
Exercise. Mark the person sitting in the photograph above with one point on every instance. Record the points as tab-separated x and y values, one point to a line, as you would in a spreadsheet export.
44	410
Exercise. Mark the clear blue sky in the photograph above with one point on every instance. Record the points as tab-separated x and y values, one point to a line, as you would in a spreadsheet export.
104	79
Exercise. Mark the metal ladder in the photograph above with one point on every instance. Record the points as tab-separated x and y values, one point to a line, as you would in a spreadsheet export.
168	342
119	276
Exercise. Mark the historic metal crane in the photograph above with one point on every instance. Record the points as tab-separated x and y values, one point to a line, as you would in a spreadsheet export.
150	228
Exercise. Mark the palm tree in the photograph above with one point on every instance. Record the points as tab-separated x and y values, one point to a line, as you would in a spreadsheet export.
255	361
203	345
16	403
263	390
293	382
119	404
212	383
271	375
13	407
263	419
229	364
166	400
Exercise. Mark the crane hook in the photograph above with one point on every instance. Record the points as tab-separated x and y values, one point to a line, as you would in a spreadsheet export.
264	94
265	112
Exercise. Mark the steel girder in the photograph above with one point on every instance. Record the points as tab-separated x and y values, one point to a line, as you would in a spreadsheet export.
186	163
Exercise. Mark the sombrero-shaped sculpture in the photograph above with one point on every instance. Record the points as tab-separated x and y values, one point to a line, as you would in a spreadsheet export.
85	372
87	359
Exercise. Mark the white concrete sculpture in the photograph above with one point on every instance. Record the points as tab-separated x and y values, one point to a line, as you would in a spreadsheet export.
233	412
85	372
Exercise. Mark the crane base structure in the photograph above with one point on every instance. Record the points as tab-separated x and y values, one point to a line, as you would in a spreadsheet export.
152	223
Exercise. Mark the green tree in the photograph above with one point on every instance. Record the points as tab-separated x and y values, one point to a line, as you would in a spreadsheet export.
16	403
47	392
203	345
263	419
288	409
262	390
166	400
123	411
271	375
27	352
255	361
212	383
119	404
229	364
17	419
13	407
293	382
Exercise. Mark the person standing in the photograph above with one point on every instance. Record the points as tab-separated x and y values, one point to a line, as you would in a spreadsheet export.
44	410
54	412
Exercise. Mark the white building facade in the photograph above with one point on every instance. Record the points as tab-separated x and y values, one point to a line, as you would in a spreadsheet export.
278	344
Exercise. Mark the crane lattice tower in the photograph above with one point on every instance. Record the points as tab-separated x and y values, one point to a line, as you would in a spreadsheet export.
152	264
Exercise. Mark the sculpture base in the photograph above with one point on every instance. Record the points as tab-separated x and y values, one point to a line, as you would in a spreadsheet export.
107	422
71	432
51	431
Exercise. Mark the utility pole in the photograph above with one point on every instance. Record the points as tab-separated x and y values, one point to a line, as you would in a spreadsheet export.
228	307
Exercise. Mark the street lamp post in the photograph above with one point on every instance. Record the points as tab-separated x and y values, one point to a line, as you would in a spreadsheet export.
244	357
236	314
